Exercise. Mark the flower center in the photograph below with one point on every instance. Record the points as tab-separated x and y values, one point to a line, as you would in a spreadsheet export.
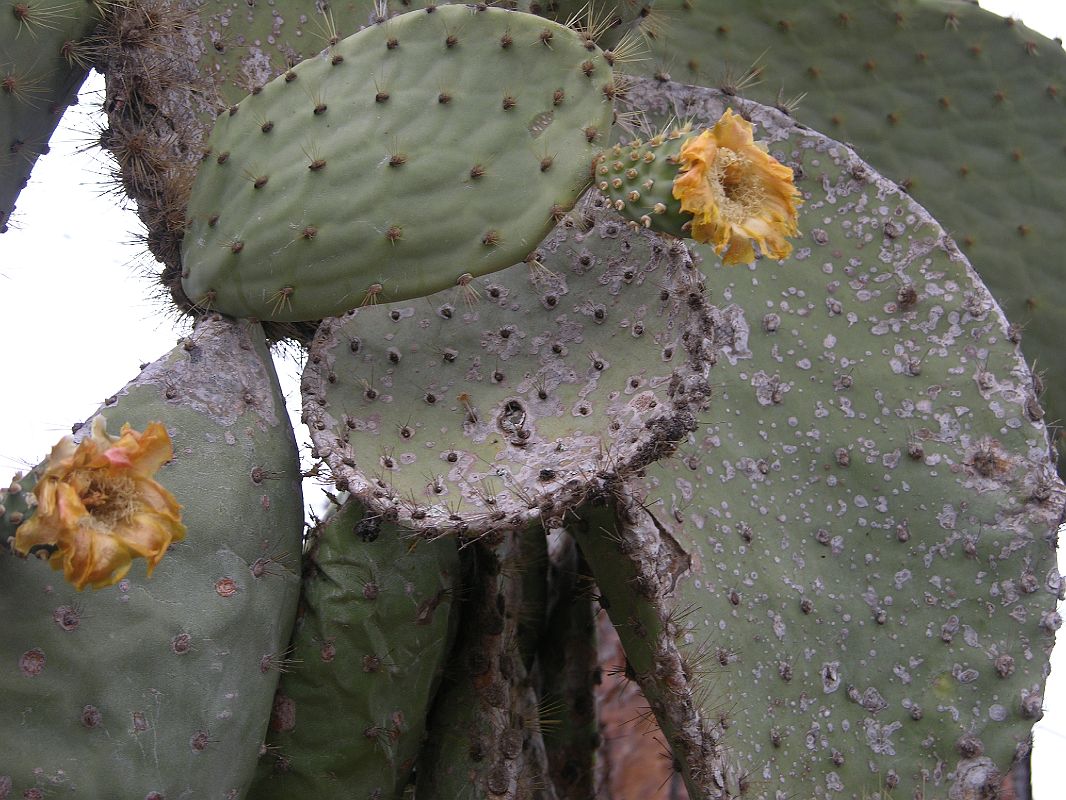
109	499
740	193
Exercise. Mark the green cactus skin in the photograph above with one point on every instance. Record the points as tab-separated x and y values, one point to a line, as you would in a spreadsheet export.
371	640
456	416
962	108
44	58
638	179
315	195
172	68
162	686
844	584
16	504
485	736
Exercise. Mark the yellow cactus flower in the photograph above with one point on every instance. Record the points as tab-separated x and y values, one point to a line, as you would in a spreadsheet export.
736	192
99	507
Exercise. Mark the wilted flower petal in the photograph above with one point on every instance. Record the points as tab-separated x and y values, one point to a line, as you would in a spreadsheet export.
99	507
736	192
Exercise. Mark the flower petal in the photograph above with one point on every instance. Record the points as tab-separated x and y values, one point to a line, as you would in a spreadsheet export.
735	190
149	536
98	505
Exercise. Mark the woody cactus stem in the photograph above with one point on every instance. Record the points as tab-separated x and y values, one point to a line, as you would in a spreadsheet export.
486	736
569	674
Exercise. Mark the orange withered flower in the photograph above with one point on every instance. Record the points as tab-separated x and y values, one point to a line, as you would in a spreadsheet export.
99	507
736	192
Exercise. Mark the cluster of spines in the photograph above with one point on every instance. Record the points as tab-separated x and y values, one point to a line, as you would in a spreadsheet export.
638	177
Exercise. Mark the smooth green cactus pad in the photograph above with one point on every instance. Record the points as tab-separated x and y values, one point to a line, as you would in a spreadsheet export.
353	179
844	584
464	416
161	686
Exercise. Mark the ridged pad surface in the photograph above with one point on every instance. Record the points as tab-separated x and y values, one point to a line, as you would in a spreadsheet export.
439	145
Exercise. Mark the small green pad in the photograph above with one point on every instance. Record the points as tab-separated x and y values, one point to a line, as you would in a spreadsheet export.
638	178
353	178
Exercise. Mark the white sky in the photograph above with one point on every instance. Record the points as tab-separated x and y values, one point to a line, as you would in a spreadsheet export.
76	314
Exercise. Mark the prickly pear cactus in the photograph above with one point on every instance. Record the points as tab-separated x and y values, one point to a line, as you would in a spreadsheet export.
844	584
455	415
961	107
45	52
162	686
372	635
840	587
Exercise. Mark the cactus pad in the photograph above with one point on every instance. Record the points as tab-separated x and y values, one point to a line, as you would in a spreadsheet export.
352	179
845	582
161	686
962	108
563	375
44	58
371	640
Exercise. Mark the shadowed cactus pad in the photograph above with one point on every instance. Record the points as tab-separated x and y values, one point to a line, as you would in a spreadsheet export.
415	154
486	739
846	585
372	635
562	375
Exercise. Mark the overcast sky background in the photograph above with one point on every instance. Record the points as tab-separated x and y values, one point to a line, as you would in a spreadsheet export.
79	314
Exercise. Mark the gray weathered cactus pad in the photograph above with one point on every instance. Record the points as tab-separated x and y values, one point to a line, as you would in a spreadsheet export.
867	510
509	408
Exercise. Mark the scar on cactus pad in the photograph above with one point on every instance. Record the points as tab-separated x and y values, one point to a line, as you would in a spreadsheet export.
719	187
98	506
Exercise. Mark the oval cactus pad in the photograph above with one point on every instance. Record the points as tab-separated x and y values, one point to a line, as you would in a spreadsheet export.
859	538
463	417
412	154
